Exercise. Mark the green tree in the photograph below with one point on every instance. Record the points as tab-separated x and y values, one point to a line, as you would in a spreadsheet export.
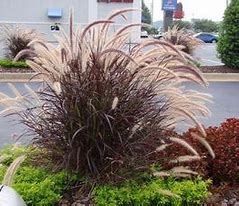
182	24
205	25
147	19
228	45
146	14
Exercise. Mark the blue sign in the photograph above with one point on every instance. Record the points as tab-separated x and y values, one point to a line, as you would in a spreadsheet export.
169	5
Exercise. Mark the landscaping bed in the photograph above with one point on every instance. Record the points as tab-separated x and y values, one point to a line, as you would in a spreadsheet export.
224	195
103	125
218	69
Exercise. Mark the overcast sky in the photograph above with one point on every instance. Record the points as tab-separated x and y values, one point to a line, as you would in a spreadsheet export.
208	9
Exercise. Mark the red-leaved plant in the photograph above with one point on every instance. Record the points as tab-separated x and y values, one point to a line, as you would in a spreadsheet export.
225	144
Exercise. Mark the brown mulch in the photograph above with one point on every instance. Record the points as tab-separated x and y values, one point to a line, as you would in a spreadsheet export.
225	195
218	69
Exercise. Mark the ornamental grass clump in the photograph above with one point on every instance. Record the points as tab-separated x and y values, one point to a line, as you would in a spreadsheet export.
182	39
101	103
16	39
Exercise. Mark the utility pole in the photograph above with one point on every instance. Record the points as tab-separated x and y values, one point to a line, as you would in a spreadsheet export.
167	20
168	6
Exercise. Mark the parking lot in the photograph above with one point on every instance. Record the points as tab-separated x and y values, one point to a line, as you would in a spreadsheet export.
207	55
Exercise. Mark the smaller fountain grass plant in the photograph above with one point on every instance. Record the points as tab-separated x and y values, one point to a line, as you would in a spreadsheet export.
16	39
182	39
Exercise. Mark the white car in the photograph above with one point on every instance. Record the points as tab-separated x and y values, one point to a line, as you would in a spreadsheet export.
144	34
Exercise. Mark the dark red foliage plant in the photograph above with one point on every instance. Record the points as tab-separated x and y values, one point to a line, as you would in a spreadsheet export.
225	144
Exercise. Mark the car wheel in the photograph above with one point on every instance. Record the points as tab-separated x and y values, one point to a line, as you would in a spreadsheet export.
214	41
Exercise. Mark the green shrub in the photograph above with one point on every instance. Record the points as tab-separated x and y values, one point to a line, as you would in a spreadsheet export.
155	192
10	153
40	187
37	186
205	25
228	45
8	63
182	24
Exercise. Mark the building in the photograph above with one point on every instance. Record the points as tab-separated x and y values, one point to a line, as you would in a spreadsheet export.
45	15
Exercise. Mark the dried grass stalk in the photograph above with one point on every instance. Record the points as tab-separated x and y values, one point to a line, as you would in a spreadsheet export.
12	169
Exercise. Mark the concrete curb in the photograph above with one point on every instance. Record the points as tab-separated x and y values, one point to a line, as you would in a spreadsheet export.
25	77
222	77
18	77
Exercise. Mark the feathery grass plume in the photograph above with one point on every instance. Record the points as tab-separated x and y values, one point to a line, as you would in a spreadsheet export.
12	169
177	172
183	170
100	102
115	102
204	143
16	39
179	37
162	147
185	158
184	144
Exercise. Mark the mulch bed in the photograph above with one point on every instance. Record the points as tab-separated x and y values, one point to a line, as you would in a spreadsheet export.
225	195
218	69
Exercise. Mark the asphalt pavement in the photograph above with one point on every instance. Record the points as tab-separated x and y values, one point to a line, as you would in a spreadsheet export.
225	105
10	128
207	54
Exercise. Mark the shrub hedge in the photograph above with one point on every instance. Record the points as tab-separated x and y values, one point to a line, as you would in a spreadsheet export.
228	45
8	63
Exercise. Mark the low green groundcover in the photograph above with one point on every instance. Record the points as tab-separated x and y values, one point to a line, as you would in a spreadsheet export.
37	186
8	63
155	192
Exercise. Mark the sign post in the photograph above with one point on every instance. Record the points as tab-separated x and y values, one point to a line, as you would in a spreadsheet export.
168	6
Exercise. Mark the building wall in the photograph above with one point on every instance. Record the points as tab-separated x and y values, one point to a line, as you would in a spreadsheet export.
33	13
36	10
105	9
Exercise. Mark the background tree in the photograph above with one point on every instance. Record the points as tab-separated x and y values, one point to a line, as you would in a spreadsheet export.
228	45
147	19
182	24
146	14
205	25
